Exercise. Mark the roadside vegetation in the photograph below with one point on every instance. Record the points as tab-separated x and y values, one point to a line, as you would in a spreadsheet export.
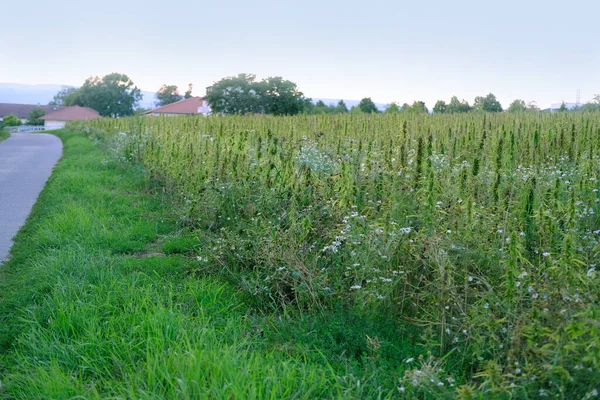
476	235
4	134
108	294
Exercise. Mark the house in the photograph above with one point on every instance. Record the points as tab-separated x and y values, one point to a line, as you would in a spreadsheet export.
22	110
191	106
58	119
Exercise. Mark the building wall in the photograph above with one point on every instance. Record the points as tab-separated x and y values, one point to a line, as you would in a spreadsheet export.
49	125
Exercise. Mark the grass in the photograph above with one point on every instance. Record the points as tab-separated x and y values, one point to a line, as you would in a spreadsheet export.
4	134
101	299
481	228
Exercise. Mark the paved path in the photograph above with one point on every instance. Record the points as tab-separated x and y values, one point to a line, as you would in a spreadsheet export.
26	162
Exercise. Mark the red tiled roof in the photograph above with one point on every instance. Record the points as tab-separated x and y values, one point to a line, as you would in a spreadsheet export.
74	113
186	106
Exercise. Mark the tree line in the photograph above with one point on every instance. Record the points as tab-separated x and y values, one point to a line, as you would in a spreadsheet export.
115	95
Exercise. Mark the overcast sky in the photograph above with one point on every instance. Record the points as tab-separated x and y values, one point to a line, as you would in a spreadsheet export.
387	50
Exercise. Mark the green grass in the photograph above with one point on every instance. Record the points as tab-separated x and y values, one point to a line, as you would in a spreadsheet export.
4	134
101	300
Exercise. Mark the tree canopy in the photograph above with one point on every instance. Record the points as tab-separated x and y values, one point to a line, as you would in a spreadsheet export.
113	95
366	105
517	106
167	94
66	97
456	106
392	108
34	116
188	93
11	120
488	103
243	94
440	107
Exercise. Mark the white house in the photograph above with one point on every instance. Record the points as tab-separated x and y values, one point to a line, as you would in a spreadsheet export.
58	119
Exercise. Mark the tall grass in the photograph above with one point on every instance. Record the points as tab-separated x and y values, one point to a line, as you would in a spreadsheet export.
483	229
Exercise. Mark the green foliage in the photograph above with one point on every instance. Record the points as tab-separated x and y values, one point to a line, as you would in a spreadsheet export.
112	95
487	104
66	97
34	116
457	107
188	93
11	120
563	107
3	133
481	228
341	107
168	94
98	302
440	107
243	94
321	108
367	106
392	108
517	106
417	107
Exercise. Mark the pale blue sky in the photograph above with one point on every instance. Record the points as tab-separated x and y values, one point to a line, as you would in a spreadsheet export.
388	50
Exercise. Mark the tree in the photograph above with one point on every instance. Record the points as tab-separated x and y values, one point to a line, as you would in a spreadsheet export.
321	108
532	106
341	107
517	106
366	105
243	94
167	94
440	107
417	107
392	108
66	97
281	97
563	107
11	120
188	93
113	95
455	106
34	116
488	103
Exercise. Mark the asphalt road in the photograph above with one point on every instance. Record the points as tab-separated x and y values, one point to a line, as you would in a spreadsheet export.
26	162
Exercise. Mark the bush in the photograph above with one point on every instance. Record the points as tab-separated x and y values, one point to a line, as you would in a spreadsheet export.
11	120
34	117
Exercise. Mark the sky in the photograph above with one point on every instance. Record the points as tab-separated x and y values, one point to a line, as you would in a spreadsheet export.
541	51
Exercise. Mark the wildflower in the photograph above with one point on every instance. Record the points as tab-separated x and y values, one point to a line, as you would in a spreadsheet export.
522	234
545	254
405	231
460	201
411	359
448	231
401	389
470	279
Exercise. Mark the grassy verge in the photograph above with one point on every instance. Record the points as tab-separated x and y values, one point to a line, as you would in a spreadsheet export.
101	298
4	134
